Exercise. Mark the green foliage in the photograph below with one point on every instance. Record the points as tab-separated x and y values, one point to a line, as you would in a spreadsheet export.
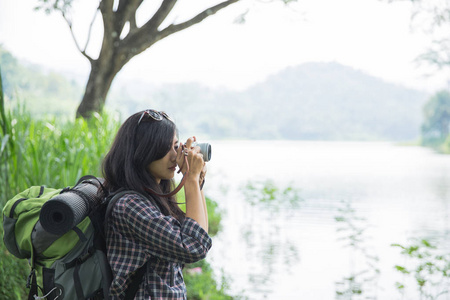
13	274
433	18
199	278
435	129
268	207
363	276
269	194
51	152
214	214
43	92
214	217
48	6
428	269
12	271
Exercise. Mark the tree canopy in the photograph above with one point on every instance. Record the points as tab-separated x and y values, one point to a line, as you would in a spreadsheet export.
435	128
433	17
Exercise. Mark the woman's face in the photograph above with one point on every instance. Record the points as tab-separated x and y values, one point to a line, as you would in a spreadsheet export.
165	167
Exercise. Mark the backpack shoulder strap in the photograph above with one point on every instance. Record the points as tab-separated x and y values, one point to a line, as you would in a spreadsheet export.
136	280
112	202
90	179
139	274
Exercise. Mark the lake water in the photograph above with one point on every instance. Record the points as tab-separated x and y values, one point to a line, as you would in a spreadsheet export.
350	202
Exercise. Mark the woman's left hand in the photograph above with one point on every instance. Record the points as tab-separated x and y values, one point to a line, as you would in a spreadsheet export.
191	159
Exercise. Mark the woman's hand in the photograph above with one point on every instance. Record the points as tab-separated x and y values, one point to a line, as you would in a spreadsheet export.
195	199
194	159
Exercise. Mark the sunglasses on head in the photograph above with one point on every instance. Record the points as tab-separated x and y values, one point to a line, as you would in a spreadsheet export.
155	115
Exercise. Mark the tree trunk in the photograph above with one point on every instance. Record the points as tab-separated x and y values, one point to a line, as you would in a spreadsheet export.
100	79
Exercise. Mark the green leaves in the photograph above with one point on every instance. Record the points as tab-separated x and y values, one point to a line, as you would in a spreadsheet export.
268	194
428	267
352	232
435	128
201	283
402	269
51	151
48	6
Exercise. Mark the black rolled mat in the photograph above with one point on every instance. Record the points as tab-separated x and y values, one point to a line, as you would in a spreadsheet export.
63	212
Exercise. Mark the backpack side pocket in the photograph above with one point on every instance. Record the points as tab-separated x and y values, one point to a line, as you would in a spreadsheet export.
9	238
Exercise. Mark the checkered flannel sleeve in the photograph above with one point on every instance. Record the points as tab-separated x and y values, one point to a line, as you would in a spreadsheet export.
162	236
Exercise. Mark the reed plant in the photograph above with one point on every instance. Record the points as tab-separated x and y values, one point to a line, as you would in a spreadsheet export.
37	152
12	271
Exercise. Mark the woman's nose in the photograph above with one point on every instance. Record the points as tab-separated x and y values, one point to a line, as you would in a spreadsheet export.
173	155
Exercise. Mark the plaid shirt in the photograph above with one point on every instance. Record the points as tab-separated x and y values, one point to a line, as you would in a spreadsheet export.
138	232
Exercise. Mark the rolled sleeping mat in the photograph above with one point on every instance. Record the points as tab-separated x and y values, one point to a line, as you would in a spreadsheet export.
64	211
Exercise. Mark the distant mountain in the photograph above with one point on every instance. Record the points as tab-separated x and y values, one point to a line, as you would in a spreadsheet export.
332	101
314	101
42	91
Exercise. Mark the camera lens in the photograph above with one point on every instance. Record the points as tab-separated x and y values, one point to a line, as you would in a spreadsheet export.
205	149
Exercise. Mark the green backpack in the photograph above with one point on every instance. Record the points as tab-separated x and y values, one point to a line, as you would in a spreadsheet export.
60	231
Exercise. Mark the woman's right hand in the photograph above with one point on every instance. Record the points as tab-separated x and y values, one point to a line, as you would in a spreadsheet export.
194	159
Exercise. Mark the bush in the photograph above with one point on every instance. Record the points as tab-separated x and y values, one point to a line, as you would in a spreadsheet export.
200	283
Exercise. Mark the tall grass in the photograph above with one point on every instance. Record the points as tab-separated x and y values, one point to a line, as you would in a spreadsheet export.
12	271
50	152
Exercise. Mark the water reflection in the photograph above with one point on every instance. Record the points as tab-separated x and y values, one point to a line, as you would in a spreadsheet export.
325	248
270	196
362	280
426	269
267	245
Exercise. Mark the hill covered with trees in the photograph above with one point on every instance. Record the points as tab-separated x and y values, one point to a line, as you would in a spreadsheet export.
314	101
40	90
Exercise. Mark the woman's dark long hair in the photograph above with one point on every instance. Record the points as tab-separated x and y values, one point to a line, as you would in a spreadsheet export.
136	146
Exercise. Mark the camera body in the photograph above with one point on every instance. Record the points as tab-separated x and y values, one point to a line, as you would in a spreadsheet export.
205	150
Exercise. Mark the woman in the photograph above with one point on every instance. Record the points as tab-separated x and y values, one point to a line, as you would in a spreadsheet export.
149	230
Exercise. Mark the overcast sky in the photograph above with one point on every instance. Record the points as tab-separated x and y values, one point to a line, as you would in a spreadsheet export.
368	35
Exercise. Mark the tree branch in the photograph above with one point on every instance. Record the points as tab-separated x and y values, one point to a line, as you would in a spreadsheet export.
147	35
69	23
122	5
106	8
140	39
173	28
160	15
133	25
126	12
90	28
144	37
